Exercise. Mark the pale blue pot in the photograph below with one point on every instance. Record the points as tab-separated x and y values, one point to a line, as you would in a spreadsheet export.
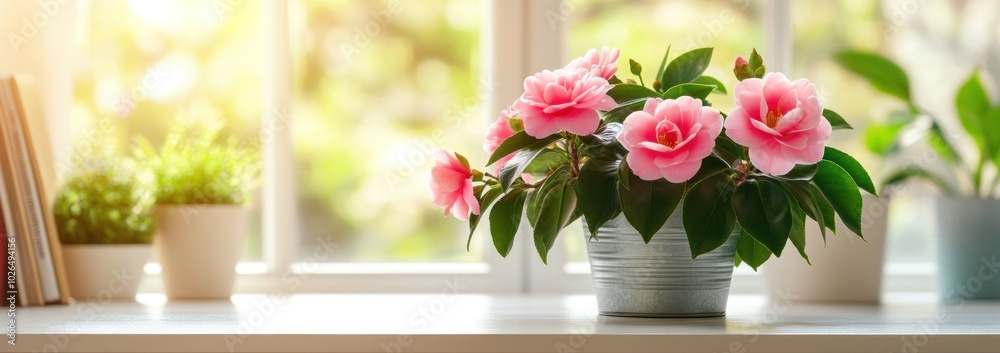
968	249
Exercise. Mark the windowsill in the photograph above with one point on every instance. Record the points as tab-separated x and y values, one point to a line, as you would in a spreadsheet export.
495	323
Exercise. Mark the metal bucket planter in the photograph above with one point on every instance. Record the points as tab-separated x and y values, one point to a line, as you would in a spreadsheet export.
658	279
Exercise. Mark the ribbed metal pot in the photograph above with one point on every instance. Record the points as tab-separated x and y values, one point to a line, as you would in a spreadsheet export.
658	279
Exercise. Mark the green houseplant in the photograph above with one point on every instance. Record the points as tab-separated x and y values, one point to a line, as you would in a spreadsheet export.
969	231
104	216
668	186
202	217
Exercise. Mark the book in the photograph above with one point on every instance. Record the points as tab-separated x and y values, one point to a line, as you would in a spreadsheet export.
31	288
31	164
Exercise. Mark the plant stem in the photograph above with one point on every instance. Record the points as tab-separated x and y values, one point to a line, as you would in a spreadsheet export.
977	178
640	80
574	153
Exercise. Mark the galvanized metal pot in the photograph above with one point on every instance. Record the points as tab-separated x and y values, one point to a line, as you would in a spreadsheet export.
658	279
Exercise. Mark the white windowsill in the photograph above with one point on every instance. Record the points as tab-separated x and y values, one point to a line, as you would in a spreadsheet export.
498	323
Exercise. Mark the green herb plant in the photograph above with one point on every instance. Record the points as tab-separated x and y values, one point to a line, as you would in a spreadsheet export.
190	168
106	200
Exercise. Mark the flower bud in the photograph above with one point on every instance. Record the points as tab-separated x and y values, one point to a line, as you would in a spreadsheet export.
742	69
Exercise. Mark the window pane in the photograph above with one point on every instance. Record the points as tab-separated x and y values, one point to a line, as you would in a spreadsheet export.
377	85
644	29
142	63
938	43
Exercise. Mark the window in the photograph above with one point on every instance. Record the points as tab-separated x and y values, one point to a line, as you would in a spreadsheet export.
375	84
395	79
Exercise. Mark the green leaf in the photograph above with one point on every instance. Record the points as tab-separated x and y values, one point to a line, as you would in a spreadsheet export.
709	80
693	90
686	68
505	220
663	65
826	208
536	197
836	121
751	251
797	234
634	67
708	214
648	204
556	210
597	192
881	139
515	166
906	174
518	141
710	166
729	150
623	110
973	107
756	61
838	187
800	172
624	173
736	260
800	192
484	204
546	162
625	92
881	73
603	144
852	167
762	209
614	80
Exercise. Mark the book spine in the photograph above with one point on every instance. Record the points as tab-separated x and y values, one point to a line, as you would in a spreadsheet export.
29	196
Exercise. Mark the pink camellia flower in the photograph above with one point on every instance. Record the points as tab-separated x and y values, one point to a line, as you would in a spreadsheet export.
669	138
603	63
451	185
496	133
563	100
781	121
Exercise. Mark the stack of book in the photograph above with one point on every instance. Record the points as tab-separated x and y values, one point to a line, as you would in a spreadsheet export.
34	267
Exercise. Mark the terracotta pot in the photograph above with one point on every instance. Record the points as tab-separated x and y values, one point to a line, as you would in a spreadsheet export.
198	247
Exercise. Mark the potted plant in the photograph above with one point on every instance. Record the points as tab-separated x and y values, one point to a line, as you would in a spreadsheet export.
967	222
104	216
201	211
673	192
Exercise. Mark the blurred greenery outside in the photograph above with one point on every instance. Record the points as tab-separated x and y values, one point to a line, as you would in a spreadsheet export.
369	96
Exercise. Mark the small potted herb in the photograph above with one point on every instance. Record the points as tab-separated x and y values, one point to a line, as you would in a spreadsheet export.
104	215
202	215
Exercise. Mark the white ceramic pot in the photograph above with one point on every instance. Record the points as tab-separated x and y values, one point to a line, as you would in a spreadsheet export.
105	271
845	269
198	247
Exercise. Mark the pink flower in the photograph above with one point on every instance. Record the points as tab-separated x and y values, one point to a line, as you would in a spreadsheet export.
451	185
496	133
669	138
603	63
563	100
781	121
